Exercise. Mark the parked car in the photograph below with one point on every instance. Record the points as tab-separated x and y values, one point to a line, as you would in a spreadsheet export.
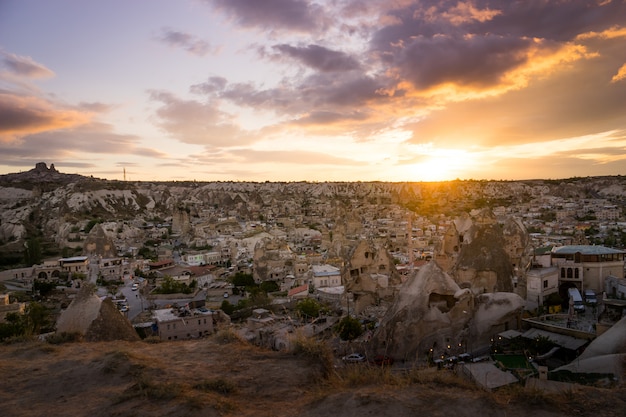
590	297
353	358
382	360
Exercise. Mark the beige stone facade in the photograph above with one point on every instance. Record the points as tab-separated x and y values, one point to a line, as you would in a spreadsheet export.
174	325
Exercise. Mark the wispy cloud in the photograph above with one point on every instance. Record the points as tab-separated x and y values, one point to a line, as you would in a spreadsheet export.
23	66
290	15
185	41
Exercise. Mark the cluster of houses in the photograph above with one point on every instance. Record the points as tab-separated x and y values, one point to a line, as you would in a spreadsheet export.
355	253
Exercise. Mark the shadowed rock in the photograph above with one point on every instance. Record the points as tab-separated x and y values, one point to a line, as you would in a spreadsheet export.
95	319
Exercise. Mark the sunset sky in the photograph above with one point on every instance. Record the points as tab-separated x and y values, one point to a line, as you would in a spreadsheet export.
325	90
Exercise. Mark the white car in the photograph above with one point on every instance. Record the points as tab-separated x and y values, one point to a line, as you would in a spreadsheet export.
353	358
134	287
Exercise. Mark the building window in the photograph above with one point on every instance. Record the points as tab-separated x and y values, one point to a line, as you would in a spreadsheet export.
545	283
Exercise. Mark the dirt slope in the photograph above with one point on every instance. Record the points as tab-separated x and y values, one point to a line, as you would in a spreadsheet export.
221	376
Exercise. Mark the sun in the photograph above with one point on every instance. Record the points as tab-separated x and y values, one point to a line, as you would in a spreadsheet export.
439	165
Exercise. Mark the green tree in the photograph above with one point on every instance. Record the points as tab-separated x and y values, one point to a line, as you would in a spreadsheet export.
243	280
309	307
349	328
227	307
44	287
36	318
32	252
170	286
269	286
13	326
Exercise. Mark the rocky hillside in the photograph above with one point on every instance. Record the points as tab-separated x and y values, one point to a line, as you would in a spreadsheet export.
54	206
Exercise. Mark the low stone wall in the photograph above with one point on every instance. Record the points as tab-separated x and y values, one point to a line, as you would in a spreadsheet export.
176	296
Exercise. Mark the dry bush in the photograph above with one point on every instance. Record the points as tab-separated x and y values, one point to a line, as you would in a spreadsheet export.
146	388
219	385
113	361
65	337
357	375
434	377
228	336
152	339
317	352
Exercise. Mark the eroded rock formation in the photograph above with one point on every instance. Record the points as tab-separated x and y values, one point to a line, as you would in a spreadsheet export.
457	302
95	319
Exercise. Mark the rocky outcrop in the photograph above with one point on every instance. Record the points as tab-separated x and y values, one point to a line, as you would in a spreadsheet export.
94	318
99	243
484	255
433	316
430	312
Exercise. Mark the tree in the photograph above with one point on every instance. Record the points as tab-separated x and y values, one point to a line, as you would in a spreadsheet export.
44	287
13	326
227	307
36	317
349	328
243	280
32	252
269	286
309	307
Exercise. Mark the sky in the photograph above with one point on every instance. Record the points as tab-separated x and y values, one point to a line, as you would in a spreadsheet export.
325	90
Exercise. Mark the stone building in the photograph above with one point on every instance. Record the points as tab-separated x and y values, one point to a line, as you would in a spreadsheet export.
174	324
370	275
587	266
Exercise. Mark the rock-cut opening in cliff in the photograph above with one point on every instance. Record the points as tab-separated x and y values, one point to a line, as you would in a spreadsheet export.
441	301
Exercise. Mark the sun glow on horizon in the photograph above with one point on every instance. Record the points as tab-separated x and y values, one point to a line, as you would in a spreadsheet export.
439	165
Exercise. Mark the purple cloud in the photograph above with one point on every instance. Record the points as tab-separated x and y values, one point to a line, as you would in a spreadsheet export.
476	43
24	66
184	41
295	15
320	58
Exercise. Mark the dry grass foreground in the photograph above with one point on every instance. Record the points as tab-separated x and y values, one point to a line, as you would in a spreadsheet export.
223	376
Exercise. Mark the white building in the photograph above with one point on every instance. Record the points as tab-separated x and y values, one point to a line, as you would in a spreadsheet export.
326	276
540	283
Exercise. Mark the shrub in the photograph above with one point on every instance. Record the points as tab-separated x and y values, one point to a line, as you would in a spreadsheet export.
219	385
349	328
65	337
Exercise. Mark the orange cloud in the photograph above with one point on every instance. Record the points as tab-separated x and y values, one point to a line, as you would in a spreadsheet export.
23	115
621	74
466	12
612	33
